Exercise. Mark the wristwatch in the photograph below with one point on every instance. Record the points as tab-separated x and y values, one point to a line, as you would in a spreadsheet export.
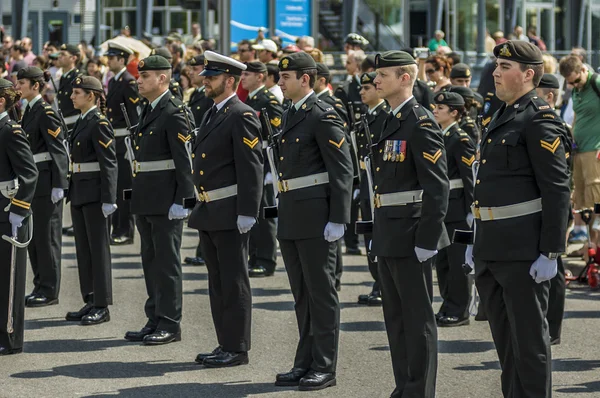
551	255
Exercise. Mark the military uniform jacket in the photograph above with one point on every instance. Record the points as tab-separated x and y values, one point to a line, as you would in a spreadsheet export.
410	155
176	90
199	103
122	91
338	105
375	121
522	159
468	125
460	156
228	151
16	161
349	94
313	141
265	99
65	89
161	135
92	140
423	95
44	132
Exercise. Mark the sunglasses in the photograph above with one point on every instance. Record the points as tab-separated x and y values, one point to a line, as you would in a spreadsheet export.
243	51
430	71
574	82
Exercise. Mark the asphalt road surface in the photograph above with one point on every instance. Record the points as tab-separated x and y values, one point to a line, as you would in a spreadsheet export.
63	359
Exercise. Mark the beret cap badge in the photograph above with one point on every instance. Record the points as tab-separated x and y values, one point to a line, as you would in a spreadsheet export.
505	52
141	64
285	62
78	81
205	61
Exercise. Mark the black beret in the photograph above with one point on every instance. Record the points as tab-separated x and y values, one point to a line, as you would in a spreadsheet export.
323	70
368	78
463	91
355	39
549	81
154	62
297	61
460	71
5	83
370	60
520	51
449	98
70	48
31	72
197	60
163	52
88	83
272	69
394	58
256	67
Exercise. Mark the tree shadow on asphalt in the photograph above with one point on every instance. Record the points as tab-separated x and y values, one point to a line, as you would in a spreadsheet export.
126	265
289	305
558	365
256	292
583	388
239	389
363	326
43	323
62	346
454	347
582	314
356	268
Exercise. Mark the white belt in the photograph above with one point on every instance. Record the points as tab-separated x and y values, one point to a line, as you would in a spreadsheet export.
155	165
265	144
121	132
510	211
8	189
42	157
456	183
71	119
217	194
85	167
303	182
398	198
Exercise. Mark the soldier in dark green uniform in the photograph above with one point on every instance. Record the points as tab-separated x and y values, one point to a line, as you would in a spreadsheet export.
467	123
18	177
228	173
67	60
93	196
460	75
521	202
460	155
122	89
315	179
44	132
263	241
377	112
411	198
163	172
174	87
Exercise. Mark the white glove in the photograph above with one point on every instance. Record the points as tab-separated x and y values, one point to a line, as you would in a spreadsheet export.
333	231
268	178
470	219
424	254
245	223
543	269
177	212
57	195
16	221
355	194
108	209
469	258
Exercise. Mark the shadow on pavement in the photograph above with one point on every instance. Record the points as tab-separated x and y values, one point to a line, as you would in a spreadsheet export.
126	265
574	365
495	365
592	386
256	292
356	268
582	314
363	326
62	346
43	323
240	389
192	276
464	346
275	306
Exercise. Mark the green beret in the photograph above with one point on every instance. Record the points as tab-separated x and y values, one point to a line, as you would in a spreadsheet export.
70	48
323	70
31	72
163	52
549	81
154	62
368	78
460	71
256	67
5	83
297	61
463	91
519	51
88	83
393	58
197	60
450	99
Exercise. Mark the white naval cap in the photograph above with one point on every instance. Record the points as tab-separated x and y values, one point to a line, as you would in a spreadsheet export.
266	44
115	48
215	64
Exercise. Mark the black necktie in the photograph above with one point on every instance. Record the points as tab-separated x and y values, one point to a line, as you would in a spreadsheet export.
211	114
27	109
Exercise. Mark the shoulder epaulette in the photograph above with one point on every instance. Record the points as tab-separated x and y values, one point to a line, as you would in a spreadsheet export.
539	103
274	102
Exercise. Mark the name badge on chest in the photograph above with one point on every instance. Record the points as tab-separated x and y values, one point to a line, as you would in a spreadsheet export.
394	151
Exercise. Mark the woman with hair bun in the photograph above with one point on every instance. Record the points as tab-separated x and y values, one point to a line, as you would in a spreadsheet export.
93	196
46	139
18	176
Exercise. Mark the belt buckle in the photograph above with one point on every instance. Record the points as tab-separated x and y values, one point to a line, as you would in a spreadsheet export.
490	213
377	201
136	166
79	167
282	186
477	213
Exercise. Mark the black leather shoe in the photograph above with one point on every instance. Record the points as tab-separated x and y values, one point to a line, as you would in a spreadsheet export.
194	261
202	356
353	251
363	299
448	321
10	351
138	335
96	316
439	315
375	299
481	317
317	381
259	271
121	240
291	378
226	359
39	300
77	315
30	295
161	337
